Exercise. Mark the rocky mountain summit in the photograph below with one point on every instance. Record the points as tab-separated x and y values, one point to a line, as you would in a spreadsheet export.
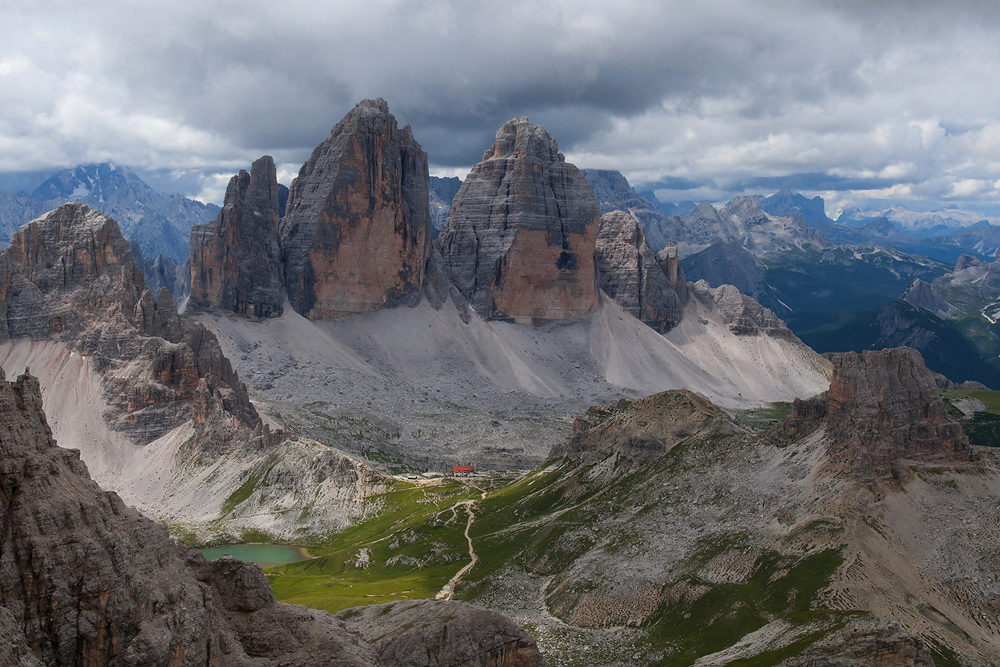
883	407
519	243
236	260
71	276
356	235
651	288
88	581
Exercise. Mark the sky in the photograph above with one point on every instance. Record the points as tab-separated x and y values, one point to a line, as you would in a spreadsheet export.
863	103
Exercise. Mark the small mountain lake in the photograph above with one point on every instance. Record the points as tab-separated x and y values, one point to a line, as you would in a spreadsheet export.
262	554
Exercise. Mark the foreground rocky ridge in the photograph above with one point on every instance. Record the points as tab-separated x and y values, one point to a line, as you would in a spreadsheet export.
88	581
670	531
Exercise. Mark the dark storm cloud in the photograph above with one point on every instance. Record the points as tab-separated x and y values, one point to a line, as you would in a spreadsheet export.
709	97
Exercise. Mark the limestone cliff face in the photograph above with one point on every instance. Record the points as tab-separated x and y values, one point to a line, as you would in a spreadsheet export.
883	406
357	231
70	275
743	315
520	240
87	581
651	288
236	260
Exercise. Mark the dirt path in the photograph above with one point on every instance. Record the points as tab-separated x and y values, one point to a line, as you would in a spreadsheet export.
448	590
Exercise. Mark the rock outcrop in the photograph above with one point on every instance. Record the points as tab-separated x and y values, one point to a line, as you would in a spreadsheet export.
651	288
644	429
236	260
743	315
159	223
920	294
356	235
520	240
883	406
430	633
71	276
87	581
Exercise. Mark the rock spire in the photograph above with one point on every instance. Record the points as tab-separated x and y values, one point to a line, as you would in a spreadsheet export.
519	243
236	260
356	235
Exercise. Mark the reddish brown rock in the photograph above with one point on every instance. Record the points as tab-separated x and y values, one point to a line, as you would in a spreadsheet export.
236	260
357	232
883	406
520	240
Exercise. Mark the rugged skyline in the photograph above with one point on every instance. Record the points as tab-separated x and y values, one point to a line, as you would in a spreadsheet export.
862	103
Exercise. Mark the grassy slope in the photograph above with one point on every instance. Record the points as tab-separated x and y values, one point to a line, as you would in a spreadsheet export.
416	524
983	428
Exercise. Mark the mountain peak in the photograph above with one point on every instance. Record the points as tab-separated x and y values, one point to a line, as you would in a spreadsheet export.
520	138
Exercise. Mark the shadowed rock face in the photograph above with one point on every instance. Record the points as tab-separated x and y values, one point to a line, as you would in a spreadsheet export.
357	232
89	582
883	406
629	273
236	260
520	240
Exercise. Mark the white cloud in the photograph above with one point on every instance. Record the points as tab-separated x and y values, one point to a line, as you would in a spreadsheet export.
885	98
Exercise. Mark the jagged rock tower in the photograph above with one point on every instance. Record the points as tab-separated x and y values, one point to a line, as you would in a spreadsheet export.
236	260
650	287
882	406
519	243
356	235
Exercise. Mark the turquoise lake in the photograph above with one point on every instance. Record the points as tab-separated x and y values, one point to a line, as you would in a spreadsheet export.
262	554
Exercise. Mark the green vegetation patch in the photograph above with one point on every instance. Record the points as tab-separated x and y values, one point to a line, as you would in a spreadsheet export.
250	485
705	617
411	549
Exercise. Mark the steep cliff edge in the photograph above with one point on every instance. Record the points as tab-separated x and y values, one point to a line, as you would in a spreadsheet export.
236	260
356	235
519	243
70	276
652	288
883	407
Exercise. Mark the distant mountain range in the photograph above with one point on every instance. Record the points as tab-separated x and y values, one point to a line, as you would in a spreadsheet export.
160	224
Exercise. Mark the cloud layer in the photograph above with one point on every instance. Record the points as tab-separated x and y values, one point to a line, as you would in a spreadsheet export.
853	100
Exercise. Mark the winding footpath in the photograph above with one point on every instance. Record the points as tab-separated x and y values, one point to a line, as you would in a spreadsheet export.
448	590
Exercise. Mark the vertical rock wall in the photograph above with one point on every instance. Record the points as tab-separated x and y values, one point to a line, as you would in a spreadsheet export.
520	240
357	232
236	260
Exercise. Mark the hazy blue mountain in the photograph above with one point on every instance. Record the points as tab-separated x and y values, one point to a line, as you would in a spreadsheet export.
926	224
160	224
441	192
